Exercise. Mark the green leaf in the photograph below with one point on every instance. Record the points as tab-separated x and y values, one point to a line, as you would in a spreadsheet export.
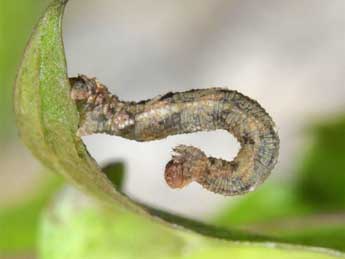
77	227
47	119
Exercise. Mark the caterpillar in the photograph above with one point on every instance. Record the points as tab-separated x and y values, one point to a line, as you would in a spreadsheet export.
187	112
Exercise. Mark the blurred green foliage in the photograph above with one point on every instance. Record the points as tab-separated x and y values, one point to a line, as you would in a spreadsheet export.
115	172
321	180
269	202
19	222
17	19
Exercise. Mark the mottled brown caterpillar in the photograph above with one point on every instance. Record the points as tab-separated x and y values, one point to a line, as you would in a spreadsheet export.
186	112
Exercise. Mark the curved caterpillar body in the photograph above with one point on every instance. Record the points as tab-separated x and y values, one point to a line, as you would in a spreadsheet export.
186	112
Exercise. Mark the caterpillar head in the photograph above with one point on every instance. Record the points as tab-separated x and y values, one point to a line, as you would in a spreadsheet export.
174	175
188	164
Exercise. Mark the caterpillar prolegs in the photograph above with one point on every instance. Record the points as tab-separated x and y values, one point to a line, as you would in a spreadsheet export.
187	112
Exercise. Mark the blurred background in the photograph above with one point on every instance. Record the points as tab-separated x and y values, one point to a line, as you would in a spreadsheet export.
287	55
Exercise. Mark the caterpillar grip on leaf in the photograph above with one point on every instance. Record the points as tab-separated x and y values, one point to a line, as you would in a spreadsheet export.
187	112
